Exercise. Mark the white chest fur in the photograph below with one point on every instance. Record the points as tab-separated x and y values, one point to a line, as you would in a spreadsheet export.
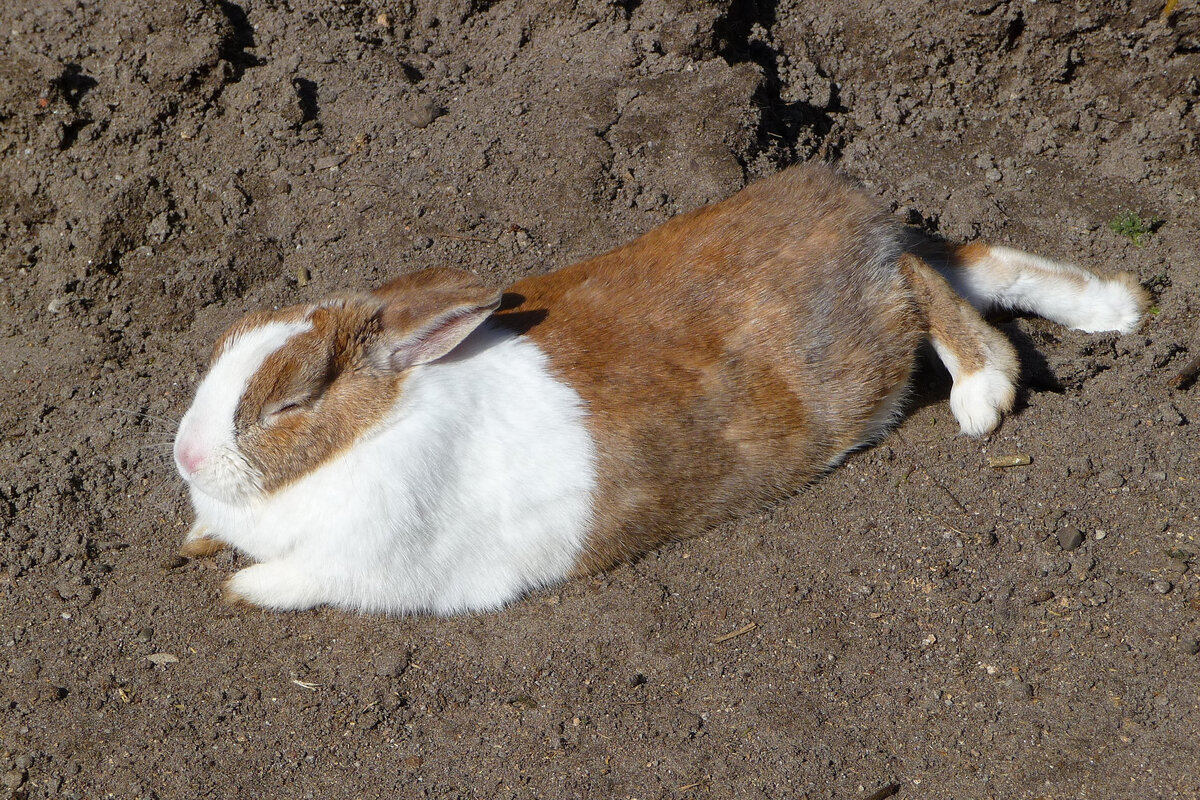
476	490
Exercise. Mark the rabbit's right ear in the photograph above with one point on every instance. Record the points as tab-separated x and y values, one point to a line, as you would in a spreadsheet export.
423	324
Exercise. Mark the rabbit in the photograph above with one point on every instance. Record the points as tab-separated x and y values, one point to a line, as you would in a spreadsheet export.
439	446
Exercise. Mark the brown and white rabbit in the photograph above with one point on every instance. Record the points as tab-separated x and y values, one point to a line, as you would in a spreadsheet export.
426	447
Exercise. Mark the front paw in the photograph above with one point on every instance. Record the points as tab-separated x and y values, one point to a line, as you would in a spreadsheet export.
200	544
272	585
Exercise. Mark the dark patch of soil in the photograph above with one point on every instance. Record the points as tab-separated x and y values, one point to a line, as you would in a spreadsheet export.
168	166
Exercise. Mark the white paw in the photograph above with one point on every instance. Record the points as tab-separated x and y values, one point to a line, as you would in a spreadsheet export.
1113	304
272	585
979	399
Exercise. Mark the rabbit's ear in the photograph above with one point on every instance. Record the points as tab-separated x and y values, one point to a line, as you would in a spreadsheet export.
419	324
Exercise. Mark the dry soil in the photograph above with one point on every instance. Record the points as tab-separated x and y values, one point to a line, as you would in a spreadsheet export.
915	622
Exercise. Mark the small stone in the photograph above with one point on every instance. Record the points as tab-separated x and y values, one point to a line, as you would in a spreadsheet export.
159	227
23	762
392	664
145	634
1157	476
929	640
162	658
637	680
1042	596
422	243
328	162
1069	538
1190	646
1163	587
14	778
173	562
1168	414
57	305
1079	466
1019	690
1110	479
994	175
384	20
424	112
1100	534
412	762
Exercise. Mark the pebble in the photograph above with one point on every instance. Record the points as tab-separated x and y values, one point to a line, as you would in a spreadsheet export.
424	112
1163	587
392	664
14	778
1019	690
422	243
1080	466
23	762
1099	534
1190	646
1110	479
1168	414
328	162
145	634
1069	538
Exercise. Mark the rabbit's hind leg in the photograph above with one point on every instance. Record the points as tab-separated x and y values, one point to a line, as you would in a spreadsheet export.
981	361
1001	277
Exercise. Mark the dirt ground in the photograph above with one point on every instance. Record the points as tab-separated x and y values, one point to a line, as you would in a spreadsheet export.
915	622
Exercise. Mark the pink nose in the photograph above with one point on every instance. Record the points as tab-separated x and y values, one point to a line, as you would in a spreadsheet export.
189	456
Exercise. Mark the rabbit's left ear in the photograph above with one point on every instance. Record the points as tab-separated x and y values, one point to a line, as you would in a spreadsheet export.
426	315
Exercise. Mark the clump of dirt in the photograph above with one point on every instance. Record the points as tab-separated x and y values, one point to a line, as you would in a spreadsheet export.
916	617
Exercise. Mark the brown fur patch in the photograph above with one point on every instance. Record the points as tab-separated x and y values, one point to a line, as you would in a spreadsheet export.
337	395
325	388
201	548
727	357
951	321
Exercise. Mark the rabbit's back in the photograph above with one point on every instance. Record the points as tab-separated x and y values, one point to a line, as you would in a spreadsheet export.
730	355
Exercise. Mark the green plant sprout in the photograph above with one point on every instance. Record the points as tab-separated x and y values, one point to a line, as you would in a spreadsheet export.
1134	227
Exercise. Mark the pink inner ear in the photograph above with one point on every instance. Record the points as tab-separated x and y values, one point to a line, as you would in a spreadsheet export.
437	338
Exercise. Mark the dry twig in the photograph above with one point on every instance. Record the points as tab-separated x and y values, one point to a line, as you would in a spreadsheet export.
734	634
